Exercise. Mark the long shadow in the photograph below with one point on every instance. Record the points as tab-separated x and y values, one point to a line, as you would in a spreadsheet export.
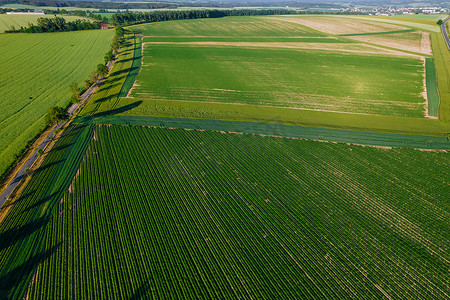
19	199
123	71
118	110
17	280
141	292
109	86
41	201
15	235
61	147
130	59
46	166
109	97
111	80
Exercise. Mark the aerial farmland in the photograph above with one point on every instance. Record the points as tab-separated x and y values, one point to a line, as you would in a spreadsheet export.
242	157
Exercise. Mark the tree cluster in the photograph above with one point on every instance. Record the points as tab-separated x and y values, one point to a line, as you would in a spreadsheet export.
102	69
56	24
55	114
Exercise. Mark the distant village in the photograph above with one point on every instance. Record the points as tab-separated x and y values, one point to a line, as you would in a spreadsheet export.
389	11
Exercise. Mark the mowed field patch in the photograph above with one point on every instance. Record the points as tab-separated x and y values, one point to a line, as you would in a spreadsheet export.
37	70
283	77
417	41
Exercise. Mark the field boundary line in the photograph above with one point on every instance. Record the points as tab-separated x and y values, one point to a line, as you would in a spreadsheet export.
348	136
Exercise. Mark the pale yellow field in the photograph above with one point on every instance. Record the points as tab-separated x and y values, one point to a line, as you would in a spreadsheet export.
418	42
334	47
337	25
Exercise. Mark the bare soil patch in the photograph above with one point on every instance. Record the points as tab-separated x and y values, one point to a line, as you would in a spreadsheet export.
399	41
425	43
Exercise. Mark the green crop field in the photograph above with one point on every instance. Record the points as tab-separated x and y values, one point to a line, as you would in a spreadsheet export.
442	64
155	212
7	21
270	75
276	63
37	70
282	72
225	28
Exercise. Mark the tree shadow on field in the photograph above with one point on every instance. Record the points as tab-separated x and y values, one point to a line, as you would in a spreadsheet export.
48	165
130	59
111	80
123	71
118	110
141	292
16	235
109	85
41	201
20	199
18	279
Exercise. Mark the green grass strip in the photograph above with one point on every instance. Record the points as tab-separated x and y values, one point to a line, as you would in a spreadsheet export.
313	133
378	33
135	67
432	91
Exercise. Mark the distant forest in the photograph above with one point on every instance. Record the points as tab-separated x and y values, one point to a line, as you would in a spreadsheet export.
167	4
158	16
93	4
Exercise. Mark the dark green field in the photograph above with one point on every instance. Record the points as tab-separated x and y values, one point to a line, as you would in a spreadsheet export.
165	213
163	194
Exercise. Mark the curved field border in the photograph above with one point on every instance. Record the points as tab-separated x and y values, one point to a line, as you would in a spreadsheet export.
432	91
442	64
378	33
112	105
108	93
312	133
135	67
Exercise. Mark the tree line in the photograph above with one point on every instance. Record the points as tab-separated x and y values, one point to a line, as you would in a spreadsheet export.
128	18
56	24
102	69
94	4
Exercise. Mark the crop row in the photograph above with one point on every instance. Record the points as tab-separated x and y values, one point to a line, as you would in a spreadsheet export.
22	232
190	214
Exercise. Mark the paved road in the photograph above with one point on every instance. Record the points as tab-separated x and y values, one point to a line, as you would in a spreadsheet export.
444	32
20	175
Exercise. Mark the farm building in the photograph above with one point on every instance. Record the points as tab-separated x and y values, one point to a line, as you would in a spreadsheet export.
104	25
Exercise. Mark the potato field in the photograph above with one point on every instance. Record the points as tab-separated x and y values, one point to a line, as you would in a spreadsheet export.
173	213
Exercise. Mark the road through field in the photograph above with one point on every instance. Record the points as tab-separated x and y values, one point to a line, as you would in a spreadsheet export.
21	174
444	32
